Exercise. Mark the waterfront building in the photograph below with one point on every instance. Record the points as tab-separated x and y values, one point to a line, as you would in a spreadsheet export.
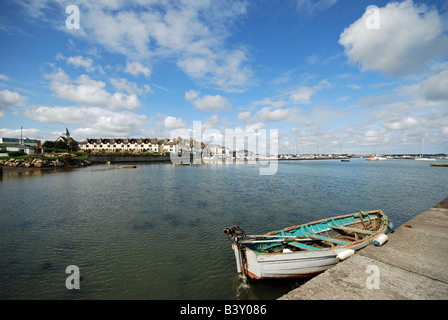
162	146
66	138
127	144
29	146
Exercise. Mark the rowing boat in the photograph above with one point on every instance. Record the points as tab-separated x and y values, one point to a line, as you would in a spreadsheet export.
307	249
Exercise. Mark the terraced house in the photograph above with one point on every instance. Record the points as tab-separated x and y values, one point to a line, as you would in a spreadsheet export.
136	145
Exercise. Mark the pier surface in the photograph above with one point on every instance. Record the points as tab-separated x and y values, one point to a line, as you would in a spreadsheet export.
412	265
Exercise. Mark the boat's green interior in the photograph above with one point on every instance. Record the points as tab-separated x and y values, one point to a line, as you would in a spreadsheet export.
323	229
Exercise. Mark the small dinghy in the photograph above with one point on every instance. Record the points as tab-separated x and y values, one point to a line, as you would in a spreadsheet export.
127	167
307	249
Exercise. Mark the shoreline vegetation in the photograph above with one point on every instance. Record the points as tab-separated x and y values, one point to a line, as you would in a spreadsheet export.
17	162
22	162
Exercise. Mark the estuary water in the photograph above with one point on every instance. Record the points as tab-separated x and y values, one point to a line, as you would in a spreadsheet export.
155	232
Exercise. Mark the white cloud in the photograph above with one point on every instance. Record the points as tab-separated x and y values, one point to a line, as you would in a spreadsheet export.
90	92
402	124
215	103
135	68
301	95
269	115
173	123
409	37
130	87
244	116
435	87
354	86
78	62
270	102
8	99
94	121
192	34
445	131
25	132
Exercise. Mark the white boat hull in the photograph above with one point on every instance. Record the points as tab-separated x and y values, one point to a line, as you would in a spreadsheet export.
306	249
294	264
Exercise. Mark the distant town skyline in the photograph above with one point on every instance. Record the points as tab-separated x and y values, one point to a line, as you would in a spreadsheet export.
332	76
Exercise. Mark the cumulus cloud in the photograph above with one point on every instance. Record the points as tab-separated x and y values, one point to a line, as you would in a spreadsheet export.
192	34
135	68
174	123
25	132
435	87
130	87
86	91
409	37
215	103
402	124
78	62
269	115
270	102
303	94
94	121
244	116
8	99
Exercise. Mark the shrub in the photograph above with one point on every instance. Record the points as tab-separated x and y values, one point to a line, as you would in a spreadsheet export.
16	153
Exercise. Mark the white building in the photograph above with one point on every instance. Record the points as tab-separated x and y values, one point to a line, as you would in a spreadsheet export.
137	145
29	146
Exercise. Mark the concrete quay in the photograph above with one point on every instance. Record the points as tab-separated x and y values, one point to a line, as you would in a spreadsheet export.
412	265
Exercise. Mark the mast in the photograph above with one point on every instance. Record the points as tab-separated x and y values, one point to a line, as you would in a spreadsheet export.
423	143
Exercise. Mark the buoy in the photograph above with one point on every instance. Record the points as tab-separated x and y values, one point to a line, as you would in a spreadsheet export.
391	226
345	254
380	240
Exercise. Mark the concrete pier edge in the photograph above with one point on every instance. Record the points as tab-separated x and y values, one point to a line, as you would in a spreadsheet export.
412	265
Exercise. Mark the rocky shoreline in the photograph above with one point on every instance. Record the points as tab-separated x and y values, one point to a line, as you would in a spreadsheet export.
42	163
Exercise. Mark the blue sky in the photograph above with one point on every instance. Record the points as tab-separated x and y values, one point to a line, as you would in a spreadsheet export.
314	70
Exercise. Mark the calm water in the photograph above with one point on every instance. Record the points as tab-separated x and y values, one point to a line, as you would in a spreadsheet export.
156	232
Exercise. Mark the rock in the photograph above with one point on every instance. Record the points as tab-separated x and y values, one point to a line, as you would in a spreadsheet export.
58	163
38	164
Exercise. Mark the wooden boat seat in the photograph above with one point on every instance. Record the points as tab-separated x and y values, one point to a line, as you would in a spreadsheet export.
302	246
340	242
353	230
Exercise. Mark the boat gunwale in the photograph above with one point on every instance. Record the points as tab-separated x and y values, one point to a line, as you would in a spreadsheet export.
381	229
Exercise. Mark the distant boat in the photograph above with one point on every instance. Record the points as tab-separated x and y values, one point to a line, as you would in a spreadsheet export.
306	249
422	158
127	167
345	160
372	158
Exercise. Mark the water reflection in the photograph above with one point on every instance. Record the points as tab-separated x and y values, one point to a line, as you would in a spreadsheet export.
248	289
155	232
29	172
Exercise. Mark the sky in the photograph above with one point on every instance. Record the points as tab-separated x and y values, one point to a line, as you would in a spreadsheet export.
330	76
